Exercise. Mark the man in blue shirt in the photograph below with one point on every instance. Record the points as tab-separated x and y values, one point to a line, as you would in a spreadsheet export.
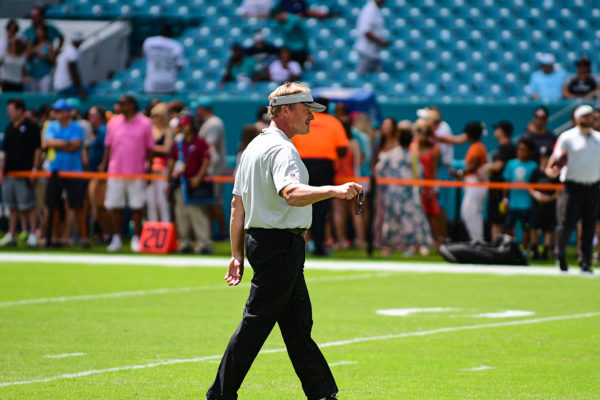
520	203
546	85
64	141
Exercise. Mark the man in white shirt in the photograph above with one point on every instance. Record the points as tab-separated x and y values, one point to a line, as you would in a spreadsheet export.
284	69
370	28
67	79
164	59
256	8
270	213
576	158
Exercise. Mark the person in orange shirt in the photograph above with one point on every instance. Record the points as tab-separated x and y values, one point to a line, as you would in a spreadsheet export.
320	149
471	210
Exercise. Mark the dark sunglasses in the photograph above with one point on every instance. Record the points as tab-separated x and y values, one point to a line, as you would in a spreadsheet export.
358	203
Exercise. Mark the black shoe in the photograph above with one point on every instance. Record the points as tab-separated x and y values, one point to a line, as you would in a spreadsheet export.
534	253
545	253
562	265
586	269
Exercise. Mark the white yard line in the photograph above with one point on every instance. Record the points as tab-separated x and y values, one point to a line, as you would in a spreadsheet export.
323	345
341	265
64	355
482	368
133	293
335	364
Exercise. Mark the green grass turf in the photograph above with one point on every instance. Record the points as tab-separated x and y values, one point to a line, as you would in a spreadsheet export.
548	360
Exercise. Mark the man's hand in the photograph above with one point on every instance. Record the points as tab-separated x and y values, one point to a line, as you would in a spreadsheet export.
348	190
195	182
32	178
235	271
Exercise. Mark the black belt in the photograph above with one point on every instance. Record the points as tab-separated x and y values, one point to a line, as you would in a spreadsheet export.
296	231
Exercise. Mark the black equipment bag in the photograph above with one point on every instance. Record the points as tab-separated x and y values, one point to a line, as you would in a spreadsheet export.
504	250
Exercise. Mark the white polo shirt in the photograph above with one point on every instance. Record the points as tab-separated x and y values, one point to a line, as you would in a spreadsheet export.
269	164
164	57
62	76
583	156
371	20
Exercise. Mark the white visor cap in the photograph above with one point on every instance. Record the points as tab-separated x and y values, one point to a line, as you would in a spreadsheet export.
305	98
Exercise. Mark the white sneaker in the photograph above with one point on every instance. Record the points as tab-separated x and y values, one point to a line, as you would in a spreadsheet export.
115	244
32	240
135	243
8	239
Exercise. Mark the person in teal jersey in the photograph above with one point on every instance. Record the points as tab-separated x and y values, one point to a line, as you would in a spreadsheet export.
294	34
41	57
240	66
38	19
520	202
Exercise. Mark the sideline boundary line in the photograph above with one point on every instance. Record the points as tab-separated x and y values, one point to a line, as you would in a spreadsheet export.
323	345
327	265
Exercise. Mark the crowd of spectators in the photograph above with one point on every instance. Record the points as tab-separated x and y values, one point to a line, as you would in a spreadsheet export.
29	59
183	145
263	61
164	139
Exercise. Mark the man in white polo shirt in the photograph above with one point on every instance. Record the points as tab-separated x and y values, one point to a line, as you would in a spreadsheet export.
576	158
164	59
270	213
369	42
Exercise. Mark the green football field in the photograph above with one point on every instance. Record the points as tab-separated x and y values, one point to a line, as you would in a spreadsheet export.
73	329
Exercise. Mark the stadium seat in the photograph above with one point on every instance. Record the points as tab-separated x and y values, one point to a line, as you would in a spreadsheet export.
447	43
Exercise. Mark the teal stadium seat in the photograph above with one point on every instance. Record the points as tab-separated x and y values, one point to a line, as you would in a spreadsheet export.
449	44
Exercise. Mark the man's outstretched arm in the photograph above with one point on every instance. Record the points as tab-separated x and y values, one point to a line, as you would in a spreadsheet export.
300	195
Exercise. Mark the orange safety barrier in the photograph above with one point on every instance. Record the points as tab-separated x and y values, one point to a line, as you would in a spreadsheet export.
105	175
455	184
158	238
230	179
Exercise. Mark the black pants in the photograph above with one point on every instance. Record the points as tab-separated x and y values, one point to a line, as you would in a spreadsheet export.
320	173
579	202
278	295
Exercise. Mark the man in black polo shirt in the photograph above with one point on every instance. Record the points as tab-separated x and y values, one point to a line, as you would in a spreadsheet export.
537	130
22	152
